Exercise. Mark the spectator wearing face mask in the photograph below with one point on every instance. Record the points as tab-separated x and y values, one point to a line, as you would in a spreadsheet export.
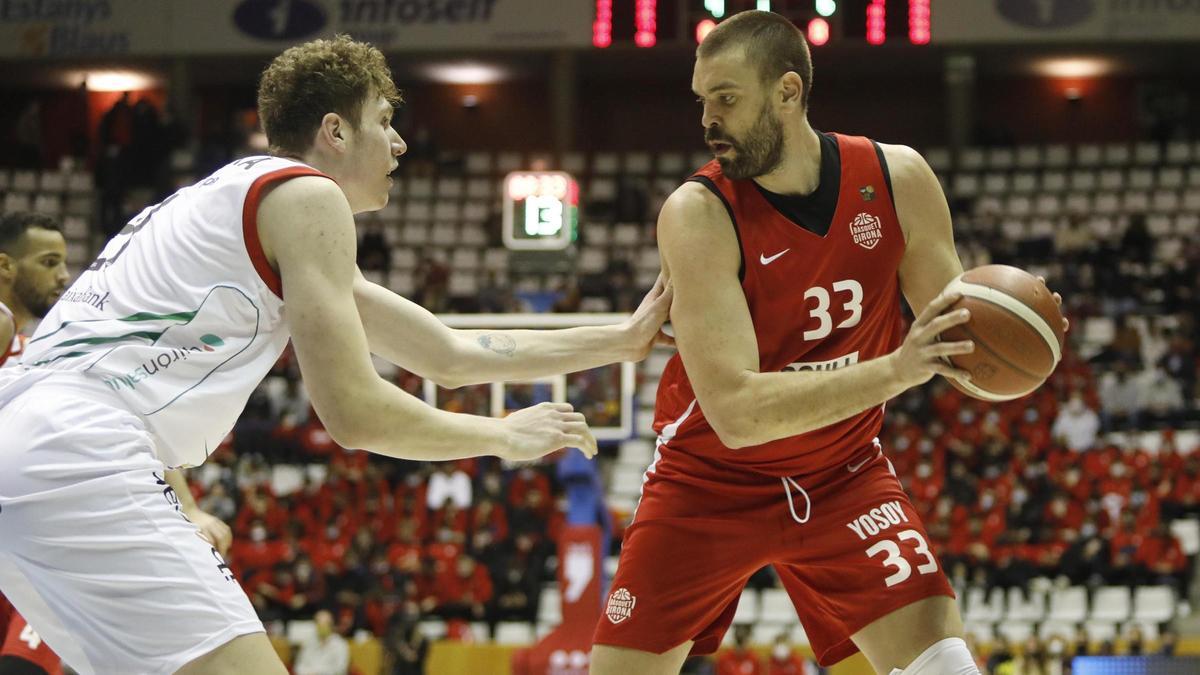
785	661
1076	426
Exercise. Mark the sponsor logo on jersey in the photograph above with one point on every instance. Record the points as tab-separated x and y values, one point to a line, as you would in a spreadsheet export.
878	519
620	605
832	364
88	297
866	230
768	259
163	362
867	192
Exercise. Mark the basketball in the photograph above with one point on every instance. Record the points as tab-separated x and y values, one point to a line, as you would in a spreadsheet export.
1016	327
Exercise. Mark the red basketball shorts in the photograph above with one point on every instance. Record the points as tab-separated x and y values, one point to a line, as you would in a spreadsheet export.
847	545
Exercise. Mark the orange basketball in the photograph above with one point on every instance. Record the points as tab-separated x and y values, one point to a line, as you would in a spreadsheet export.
1017	329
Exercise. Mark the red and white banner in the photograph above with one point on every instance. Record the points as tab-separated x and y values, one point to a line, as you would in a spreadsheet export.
566	650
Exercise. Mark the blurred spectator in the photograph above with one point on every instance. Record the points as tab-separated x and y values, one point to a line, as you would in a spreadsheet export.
1119	397
1160	398
325	654
432	282
465	590
374	254
1134	640
785	661
405	648
449	482
740	660
27	137
1077	425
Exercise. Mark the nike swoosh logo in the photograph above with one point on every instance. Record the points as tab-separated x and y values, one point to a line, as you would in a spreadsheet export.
855	467
767	261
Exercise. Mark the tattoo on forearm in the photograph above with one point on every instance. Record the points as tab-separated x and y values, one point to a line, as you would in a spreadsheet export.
498	342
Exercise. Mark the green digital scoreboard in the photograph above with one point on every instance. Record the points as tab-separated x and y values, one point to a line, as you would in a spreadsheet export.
541	210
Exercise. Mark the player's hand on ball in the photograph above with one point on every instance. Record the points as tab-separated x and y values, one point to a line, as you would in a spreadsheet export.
1057	301
212	529
544	428
643	329
920	357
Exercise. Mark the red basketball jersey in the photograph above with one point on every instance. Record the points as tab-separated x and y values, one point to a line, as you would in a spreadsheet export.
817	303
18	639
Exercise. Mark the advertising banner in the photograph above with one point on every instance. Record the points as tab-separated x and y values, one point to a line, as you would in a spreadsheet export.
984	21
101	28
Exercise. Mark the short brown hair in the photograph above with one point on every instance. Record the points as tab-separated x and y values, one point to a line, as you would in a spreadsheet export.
778	45
308	81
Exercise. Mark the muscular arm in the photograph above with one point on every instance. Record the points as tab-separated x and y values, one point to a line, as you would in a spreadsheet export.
307	228
409	336
716	338
930	260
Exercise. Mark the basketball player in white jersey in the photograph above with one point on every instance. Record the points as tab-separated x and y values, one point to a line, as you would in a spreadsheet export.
33	273
150	356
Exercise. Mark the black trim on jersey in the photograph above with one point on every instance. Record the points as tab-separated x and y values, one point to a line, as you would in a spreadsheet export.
814	211
712	187
887	175
15	665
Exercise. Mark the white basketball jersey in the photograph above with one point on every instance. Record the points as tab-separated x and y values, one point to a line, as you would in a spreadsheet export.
181	315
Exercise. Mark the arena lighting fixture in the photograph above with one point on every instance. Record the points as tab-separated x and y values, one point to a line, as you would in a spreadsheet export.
715	7
1073	67
826	7
465	72
877	22
703	29
818	32
117	80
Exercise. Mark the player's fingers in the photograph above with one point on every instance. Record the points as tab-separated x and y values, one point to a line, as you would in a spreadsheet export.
560	407
937	305
941	368
944	322
1066	325
940	349
584	442
664	339
572	417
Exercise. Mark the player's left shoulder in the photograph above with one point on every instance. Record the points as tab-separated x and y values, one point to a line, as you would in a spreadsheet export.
906	166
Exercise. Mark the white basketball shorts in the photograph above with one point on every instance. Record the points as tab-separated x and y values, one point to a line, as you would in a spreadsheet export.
94	551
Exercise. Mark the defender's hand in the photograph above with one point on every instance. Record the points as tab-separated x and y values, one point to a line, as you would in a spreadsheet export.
643	329
544	428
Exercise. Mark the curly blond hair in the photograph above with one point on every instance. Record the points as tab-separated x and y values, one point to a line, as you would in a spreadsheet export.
308	81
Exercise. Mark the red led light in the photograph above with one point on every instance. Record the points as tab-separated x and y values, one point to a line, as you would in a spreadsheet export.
877	22
918	22
646	22
703	29
602	26
818	32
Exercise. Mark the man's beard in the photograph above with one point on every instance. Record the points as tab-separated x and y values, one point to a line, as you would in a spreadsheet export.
760	153
37	303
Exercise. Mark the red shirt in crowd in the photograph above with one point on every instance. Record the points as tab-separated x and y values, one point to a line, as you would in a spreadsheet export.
735	662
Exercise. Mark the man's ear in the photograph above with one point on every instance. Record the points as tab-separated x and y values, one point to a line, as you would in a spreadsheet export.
332	131
8	267
791	89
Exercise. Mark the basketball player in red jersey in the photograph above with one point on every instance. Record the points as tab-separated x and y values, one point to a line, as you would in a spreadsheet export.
33	274
788	255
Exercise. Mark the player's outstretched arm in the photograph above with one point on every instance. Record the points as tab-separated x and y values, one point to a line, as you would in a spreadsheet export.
307	230
716	339
408	335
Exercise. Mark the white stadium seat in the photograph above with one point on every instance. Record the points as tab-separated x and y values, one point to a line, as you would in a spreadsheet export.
1068	605
1153	604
